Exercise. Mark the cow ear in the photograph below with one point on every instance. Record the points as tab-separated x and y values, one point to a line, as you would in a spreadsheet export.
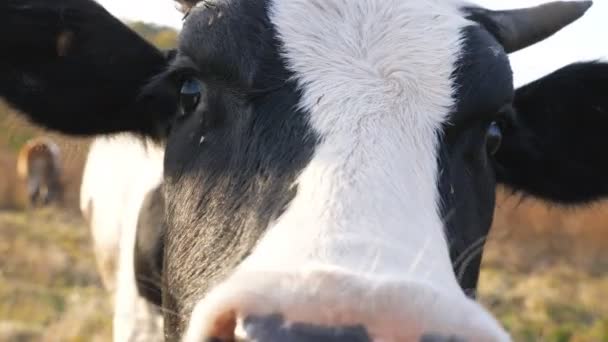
71	66
556	146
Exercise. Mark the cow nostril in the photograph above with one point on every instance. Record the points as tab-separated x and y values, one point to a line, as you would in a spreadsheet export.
222	330
441	338
275	329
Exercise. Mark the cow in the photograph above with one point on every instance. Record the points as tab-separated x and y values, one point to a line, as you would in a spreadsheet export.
39	169
327	162
120	172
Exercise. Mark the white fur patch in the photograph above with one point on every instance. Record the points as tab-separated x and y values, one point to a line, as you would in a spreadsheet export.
119	172
376	81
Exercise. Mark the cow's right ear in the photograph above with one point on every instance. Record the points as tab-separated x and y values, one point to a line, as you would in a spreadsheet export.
71	66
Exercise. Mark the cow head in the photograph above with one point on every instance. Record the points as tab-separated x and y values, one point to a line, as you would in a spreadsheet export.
330	166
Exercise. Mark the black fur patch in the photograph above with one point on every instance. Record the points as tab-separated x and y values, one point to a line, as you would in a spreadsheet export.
466	173
275	329
555	146
94	85
149	246
441	338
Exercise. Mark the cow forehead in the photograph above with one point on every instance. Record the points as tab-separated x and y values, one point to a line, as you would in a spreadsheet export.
238	39
226	27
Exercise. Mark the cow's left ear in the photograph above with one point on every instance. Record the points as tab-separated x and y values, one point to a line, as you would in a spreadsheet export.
71	66
556	147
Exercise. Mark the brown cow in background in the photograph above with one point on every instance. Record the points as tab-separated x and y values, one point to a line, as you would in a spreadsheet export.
39	170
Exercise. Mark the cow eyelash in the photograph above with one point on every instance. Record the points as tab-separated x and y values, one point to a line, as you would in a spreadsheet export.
180	69
179	76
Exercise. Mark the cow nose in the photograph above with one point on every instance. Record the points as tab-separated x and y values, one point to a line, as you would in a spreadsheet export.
441	338
274	329
332	306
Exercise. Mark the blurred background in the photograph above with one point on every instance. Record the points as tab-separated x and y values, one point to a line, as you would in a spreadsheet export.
545	270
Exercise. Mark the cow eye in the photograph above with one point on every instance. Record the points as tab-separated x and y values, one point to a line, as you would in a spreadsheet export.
493	138
190	95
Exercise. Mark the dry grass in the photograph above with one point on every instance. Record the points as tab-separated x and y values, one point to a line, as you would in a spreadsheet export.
49	288
556	304
545	271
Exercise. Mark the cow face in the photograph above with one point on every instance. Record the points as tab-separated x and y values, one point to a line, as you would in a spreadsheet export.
332	146
330	166
355	140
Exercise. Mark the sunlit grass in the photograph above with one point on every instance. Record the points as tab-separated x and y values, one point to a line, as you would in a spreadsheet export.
49	288
557	304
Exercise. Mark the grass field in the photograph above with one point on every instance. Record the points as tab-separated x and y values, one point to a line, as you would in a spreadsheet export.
49	288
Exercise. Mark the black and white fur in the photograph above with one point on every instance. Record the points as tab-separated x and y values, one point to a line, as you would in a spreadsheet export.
339	160
119	174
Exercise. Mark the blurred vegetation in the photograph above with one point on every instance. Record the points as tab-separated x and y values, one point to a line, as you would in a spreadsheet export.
13	134
545	271
49	287
558	304
161	36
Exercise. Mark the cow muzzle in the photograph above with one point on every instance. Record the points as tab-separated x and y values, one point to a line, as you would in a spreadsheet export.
334	306
275	329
